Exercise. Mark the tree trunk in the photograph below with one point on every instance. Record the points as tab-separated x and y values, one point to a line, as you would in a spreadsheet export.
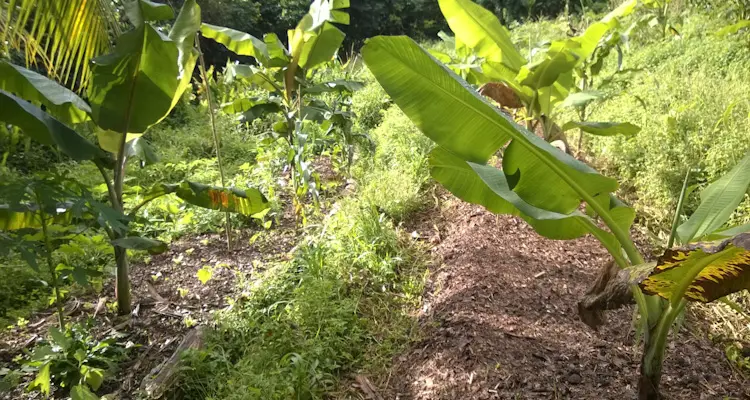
122	283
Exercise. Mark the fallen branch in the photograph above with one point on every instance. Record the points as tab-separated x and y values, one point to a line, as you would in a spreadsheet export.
163	377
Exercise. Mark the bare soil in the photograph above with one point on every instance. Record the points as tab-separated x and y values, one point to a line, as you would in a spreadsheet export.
168	301
499	322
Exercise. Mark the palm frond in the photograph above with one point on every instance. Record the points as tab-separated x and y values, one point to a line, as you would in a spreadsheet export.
60	35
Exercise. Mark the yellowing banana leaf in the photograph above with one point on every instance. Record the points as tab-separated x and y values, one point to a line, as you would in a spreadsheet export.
45	129
701	273
60	102
139	83
247	202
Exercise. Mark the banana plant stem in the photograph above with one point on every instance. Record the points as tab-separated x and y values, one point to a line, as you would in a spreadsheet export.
51	266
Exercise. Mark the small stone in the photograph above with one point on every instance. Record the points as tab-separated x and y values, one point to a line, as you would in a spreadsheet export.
574	379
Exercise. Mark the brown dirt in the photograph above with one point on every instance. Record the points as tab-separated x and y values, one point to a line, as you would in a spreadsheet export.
160	311
158	323
499	322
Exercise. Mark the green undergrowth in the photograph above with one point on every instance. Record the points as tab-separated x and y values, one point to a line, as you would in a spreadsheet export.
342	304
691	98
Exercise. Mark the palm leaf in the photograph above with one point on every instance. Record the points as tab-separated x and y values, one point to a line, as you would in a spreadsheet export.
61	35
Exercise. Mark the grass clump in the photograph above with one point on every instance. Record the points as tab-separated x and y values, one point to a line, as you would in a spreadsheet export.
341	304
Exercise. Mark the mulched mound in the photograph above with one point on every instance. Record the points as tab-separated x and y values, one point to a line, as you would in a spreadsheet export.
499	322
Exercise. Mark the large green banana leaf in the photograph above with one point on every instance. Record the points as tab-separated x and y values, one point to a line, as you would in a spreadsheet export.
604	128
62	103
141	243
316	39
538	181
139	83
489	187
452	114
718	202
141	11
15	219
480	30
238	42
45	129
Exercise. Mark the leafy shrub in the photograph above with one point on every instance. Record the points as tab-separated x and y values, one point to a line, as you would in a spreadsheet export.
73	357
369	104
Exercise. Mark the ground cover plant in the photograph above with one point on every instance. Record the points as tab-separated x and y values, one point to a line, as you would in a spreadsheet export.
344	271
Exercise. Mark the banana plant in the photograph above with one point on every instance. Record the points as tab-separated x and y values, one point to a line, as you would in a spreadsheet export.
536	182
285	74
131	89
543	81
712	263
37	219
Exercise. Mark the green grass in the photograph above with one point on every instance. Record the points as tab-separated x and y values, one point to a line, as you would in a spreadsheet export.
695	114
342	303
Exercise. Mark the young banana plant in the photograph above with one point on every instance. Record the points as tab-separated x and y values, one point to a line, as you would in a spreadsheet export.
712	262
283	74
537	84
132	89
536	181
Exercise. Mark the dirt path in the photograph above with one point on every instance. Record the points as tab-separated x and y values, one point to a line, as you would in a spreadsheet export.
499	322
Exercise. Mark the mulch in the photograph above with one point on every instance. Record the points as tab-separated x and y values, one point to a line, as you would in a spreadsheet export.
499	321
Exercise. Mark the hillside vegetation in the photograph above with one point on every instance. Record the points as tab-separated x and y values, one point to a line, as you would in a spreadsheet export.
334	215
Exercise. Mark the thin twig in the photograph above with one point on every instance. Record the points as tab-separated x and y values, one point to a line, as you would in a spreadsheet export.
217	142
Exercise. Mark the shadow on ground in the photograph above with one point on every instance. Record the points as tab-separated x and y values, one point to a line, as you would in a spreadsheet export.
499	322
